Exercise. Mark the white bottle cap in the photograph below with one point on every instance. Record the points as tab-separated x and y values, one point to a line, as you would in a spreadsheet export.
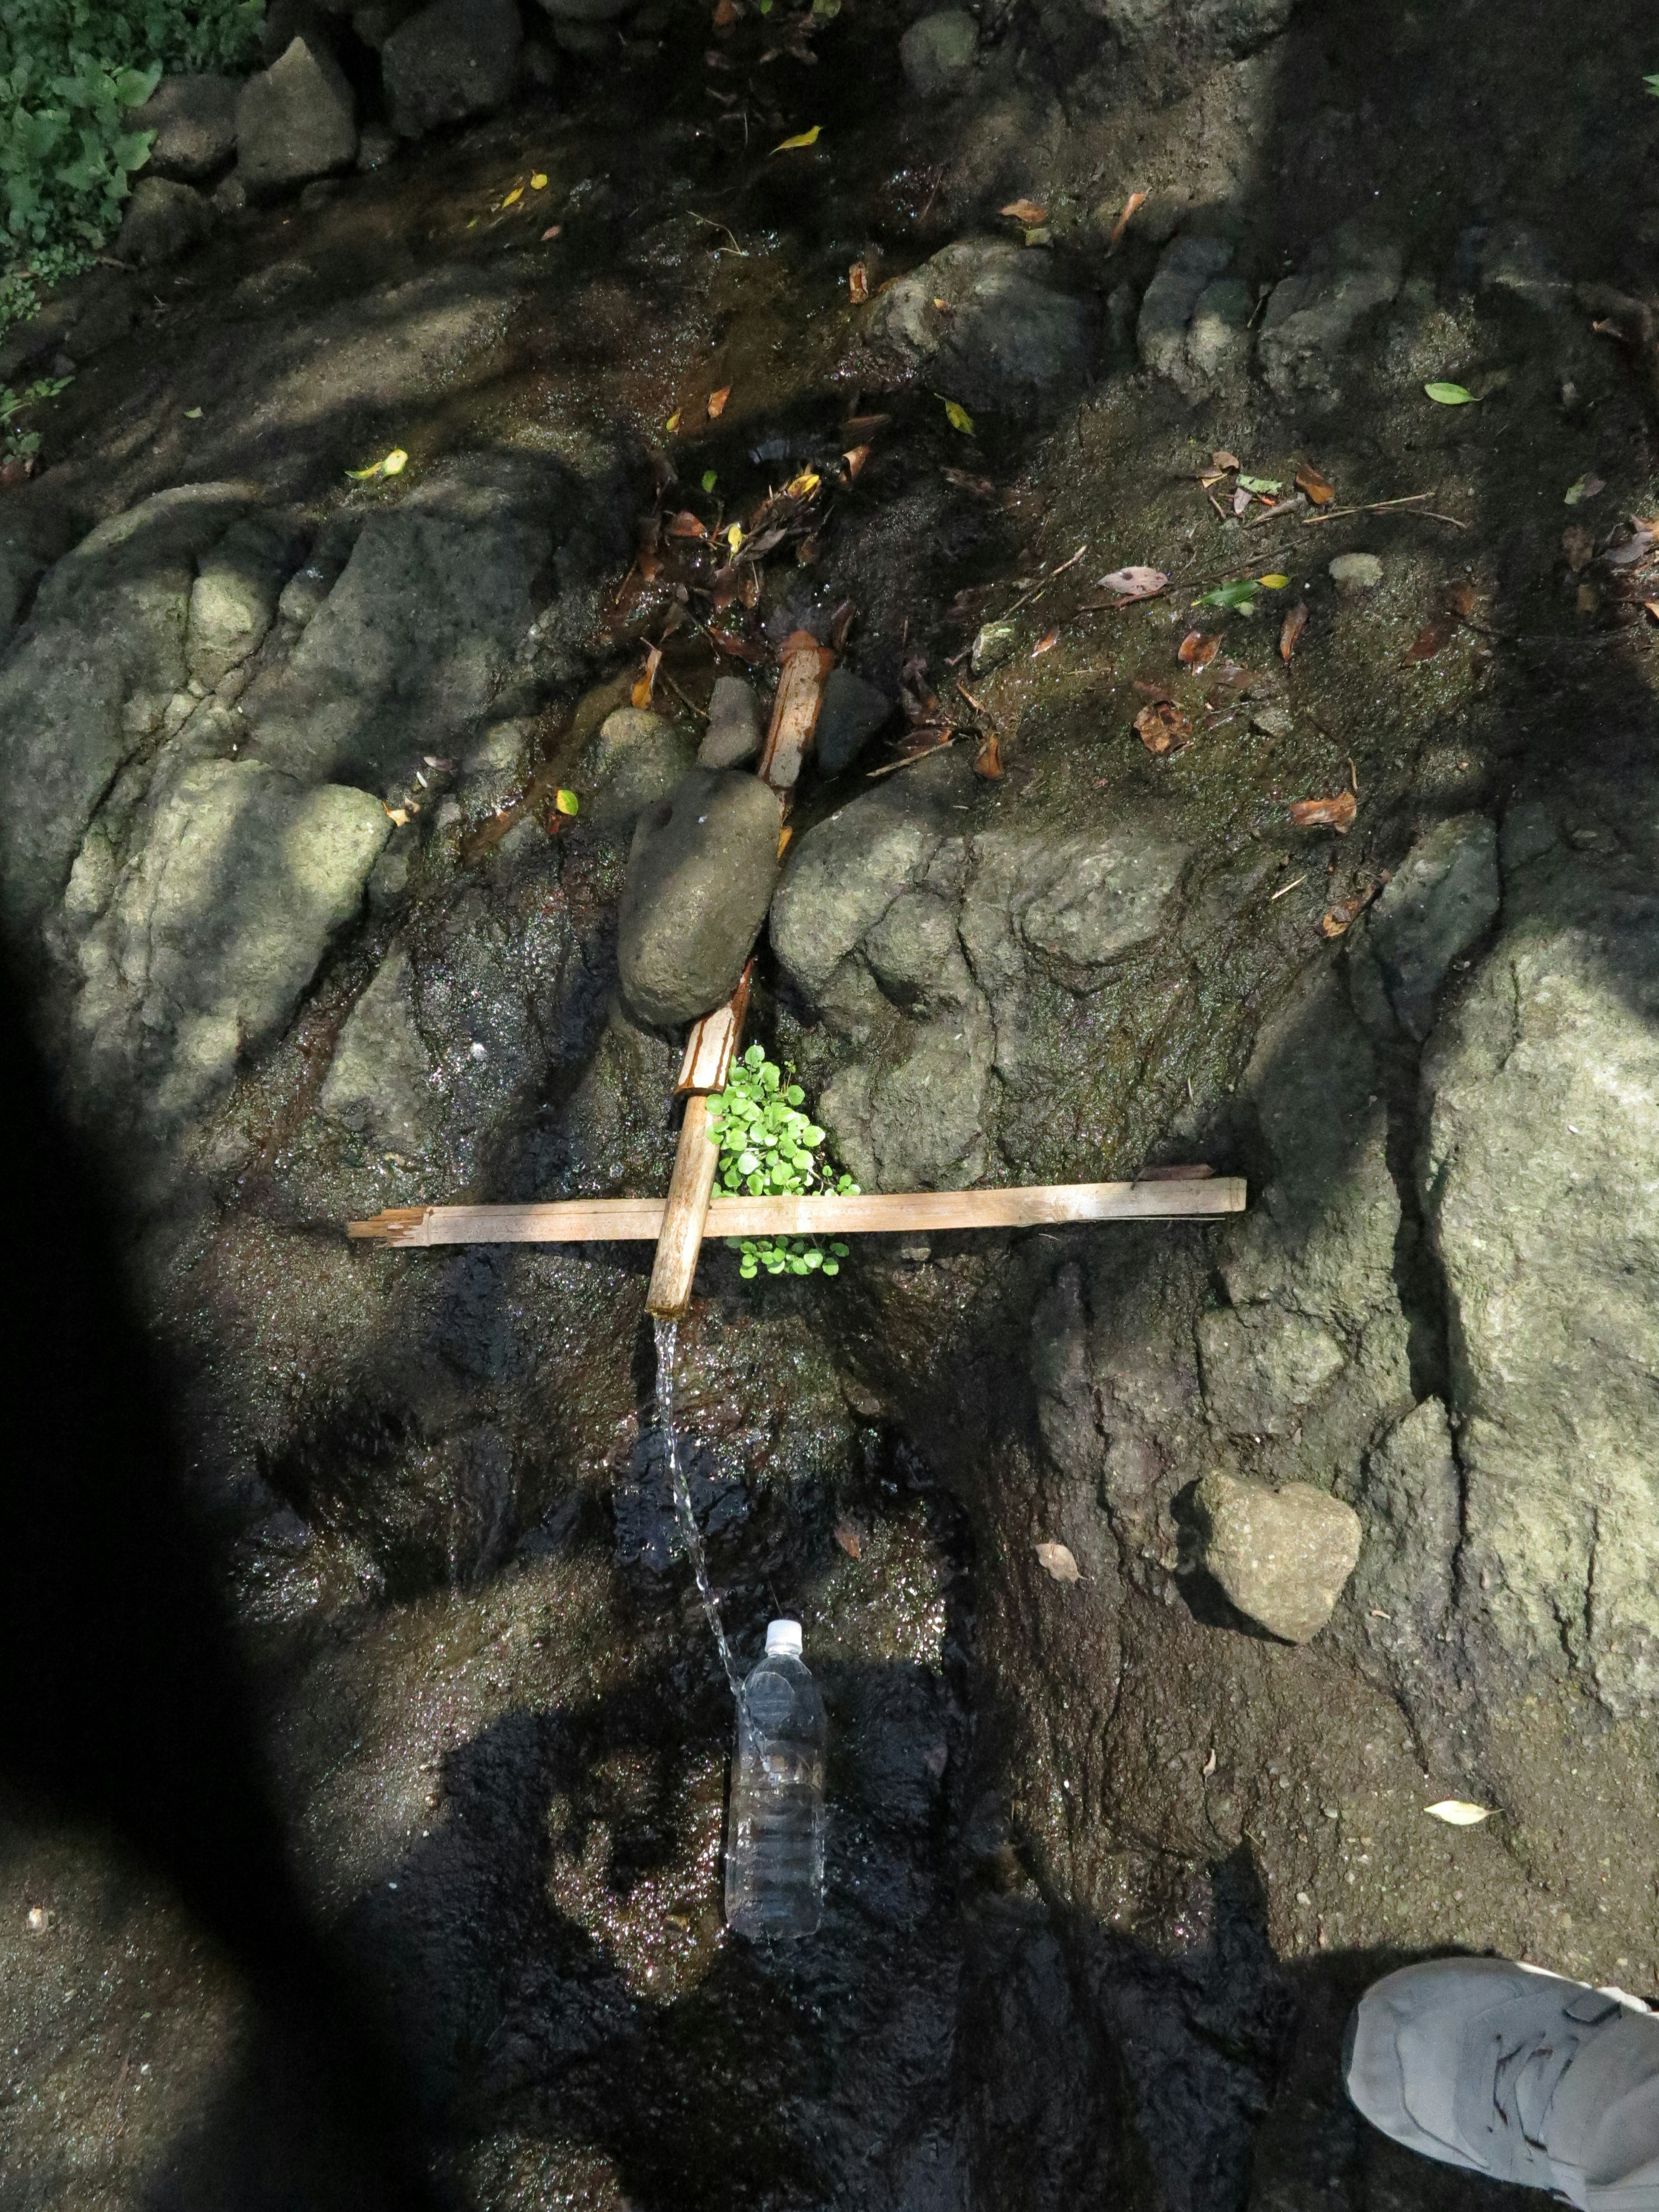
783	1639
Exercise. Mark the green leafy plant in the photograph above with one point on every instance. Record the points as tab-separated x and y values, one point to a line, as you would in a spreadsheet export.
71	73
770	1148
17	444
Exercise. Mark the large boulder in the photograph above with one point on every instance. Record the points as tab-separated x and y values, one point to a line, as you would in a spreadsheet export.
1539	1182
986	324
451	60
163	219
233	601
295	120
1441	899
194	120
91	675
238	878
699	876
1312	316
1194	29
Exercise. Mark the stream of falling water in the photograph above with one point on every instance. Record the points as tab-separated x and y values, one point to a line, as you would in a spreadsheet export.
666	1333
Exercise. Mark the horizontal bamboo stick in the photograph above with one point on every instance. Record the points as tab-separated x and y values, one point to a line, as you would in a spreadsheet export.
598	1220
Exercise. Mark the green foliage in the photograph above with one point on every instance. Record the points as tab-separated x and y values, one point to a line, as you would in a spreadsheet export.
72	72
1235	597
770	1148
1652	84
14	442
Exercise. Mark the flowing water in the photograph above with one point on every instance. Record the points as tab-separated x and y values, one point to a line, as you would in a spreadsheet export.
667	1332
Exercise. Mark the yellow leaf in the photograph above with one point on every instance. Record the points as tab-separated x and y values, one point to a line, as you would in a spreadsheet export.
538	182
517	194
673	422
1273	583
395	462
802	138
566	801
398	815
958	416
804	485
734	536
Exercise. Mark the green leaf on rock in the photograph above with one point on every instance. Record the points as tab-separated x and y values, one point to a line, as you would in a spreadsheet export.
1451	395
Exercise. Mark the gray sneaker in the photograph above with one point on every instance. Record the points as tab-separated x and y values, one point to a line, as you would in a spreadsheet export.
1515	2074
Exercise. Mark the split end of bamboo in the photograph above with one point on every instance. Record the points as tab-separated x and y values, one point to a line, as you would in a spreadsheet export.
395	1225
689	1190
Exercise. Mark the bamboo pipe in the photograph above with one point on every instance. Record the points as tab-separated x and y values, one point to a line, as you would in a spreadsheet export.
680	1239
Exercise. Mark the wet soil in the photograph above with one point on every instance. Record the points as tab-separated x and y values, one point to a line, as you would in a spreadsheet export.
1106	1867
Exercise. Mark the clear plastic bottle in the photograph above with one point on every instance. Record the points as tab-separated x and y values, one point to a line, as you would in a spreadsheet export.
775	1823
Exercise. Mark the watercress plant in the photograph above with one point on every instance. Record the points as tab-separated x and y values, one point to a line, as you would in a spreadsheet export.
769	1147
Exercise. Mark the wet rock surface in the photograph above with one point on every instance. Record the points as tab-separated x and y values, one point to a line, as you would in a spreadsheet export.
1282	1556
309	936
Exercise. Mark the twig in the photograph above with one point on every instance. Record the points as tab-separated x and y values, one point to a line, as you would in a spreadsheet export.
910	759
742	251
1294	505
978	705
1380	506
681	697
1281	893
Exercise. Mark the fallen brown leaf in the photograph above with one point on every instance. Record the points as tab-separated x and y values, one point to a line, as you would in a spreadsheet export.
717	402
686	525
1046	643
1135	200
850	1540
1228	680
1429	640
987	761
1223	460
1025	211
861	426
1243	501
1652	607
855	460
552	231
1056	1559
858	283
1337	921
1579	546
1461	599
1151	691
1197	650
963	482
725	14
646	681
1309	479
1291	629
1163	728
1336	813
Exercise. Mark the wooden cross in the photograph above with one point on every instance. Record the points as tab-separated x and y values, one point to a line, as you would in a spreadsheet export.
679	1222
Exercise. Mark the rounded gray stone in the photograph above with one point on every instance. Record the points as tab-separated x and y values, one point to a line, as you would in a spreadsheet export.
849	715
938	53
454	59
1282	1556
733	733
635	759
700	878
162	220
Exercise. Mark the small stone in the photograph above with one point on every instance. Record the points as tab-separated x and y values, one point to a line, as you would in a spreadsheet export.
454	59
733	733
1355	572
295	120
635	759
162	220
700	878
849	715
375	147
194	120
1282	1556
38	1920
229	195
938	53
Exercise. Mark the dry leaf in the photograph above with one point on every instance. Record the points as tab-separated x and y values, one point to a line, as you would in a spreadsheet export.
1056	1559
1460	597
849	1540
1222	459
717	402
1338	919
1309	479
1428	641
1294	623
1652	607
1046	643
855	460
963	482
647	679
1135	583
1197	650
1336	813
725	14
1163	728
552	231
396	814
1025	211
686	525
858	283
1579	546
1243	501
987	761
1135	201
1458	1813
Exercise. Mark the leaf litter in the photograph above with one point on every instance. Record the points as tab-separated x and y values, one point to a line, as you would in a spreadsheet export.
1337	813
1059	1561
